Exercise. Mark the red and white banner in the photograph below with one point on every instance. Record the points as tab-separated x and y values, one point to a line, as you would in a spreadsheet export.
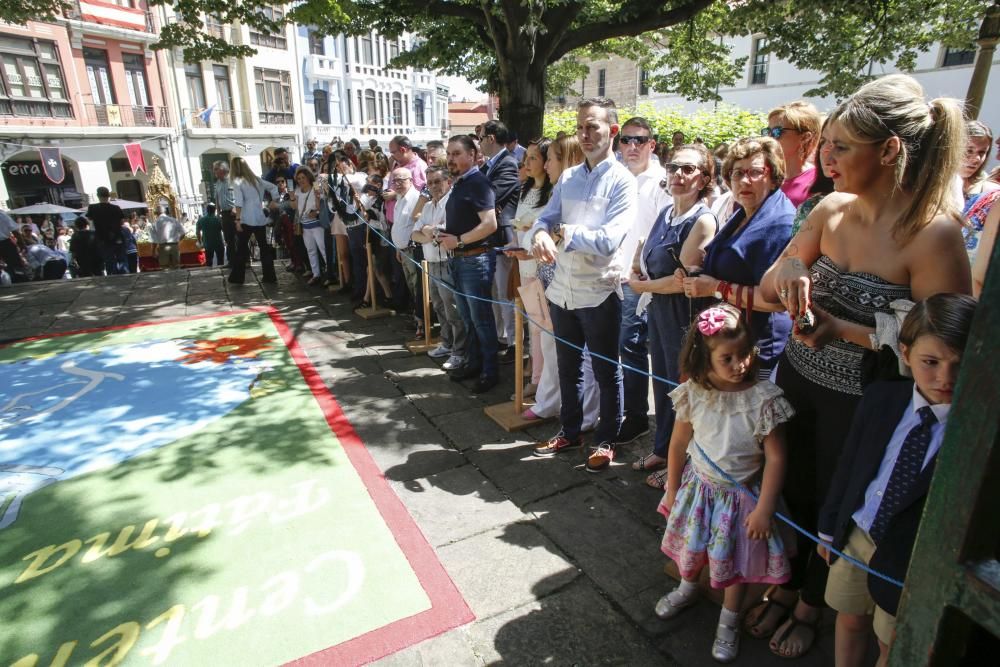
52	164
135	159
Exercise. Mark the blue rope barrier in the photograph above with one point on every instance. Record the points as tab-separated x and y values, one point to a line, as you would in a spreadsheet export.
715	466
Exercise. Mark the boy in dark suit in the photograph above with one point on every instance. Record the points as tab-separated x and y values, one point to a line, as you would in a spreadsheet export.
876	498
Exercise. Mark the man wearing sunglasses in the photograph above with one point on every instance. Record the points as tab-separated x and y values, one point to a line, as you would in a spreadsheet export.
637	147
590	212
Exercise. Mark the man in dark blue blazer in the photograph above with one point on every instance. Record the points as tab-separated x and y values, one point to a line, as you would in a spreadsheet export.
501	168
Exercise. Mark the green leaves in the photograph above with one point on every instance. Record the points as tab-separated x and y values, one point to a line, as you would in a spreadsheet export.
713	126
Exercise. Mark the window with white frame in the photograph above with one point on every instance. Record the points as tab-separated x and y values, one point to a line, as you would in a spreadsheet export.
276	39
760	62
31	79
274	96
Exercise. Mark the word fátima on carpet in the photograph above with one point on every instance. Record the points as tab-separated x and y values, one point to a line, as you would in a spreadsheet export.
188	492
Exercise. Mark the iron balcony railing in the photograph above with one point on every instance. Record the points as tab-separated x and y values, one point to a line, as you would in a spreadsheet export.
124	115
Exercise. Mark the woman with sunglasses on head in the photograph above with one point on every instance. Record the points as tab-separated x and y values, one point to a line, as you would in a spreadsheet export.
890	232
749	243
678	239
796	126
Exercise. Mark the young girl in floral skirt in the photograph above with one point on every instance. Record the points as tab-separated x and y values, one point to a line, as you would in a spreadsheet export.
726	416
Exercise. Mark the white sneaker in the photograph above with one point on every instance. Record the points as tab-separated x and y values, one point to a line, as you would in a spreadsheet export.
439	352
454	361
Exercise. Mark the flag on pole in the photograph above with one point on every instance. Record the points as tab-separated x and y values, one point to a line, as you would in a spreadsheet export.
206	114
135	159
52	164
245	146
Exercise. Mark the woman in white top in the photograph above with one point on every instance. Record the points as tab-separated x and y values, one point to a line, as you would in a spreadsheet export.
307	201
248	197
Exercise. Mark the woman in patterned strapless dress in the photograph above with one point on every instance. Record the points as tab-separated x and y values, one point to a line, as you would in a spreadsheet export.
888	232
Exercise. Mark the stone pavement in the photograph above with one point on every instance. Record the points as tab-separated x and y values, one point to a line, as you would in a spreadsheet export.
559	566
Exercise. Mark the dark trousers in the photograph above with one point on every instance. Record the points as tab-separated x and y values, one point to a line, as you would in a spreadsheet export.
815	437
634	353
10	255
666	334
359	261
217	252
238	266
113	256
229	234
54	269
331	255
474	276
599	328
133	262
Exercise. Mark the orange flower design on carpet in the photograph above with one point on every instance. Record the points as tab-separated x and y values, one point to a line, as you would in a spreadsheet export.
222	350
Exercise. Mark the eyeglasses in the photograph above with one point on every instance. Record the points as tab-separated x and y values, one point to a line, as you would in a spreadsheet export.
753	173
627	139
397	181
776	132
686	169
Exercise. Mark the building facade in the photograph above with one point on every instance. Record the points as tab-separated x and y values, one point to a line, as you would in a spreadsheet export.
350	91
89	83
86	84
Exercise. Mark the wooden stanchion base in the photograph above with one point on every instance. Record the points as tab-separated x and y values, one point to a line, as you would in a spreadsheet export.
375	313
421	346
509	419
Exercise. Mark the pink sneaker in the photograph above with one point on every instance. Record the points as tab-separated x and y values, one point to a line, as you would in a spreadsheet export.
529	415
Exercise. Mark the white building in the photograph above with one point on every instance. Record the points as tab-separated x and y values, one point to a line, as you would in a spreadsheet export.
350	92
252	105
769	81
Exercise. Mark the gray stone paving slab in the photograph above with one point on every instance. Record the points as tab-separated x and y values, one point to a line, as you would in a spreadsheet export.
453	649
506	568
455	504
470	427
524	477
575	626
620	554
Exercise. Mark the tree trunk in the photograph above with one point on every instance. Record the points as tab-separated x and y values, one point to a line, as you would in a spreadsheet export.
522	98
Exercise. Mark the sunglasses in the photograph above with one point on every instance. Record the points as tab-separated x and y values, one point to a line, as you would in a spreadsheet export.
776	132
686	169
627	139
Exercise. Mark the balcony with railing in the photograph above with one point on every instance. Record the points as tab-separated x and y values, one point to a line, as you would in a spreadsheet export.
219	119
123	115
106	13
318	66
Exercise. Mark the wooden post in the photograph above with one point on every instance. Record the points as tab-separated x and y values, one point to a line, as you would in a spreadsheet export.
508	414
415	346
373	312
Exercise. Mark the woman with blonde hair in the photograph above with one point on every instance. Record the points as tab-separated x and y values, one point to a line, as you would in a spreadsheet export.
796	126
890	231
248	197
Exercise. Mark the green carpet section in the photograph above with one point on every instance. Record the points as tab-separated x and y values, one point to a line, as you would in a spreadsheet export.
246	538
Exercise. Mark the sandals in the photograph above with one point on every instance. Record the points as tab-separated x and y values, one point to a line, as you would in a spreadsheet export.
657	480
754	629
793	624
647	462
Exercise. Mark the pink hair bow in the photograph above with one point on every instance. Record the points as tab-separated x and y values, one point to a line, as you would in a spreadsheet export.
711	321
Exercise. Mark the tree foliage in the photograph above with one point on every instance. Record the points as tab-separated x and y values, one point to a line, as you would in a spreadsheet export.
521	48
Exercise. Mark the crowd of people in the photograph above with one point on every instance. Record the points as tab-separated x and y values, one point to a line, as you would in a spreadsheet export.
801	298
102	241
774	287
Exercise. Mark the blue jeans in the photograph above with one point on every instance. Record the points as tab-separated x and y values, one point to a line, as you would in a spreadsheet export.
599	328
634	353
474	276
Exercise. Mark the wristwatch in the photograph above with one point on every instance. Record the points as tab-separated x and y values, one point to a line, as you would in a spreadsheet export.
461	244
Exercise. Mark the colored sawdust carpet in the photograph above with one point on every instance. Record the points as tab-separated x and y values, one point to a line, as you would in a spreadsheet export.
188	492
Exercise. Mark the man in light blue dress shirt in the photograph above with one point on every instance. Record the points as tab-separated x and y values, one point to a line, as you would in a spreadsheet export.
582	228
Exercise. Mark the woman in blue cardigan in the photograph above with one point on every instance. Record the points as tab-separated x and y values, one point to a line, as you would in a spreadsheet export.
752	240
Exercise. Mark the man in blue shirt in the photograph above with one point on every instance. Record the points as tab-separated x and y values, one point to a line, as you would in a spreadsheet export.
581	230
281	165
471	218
